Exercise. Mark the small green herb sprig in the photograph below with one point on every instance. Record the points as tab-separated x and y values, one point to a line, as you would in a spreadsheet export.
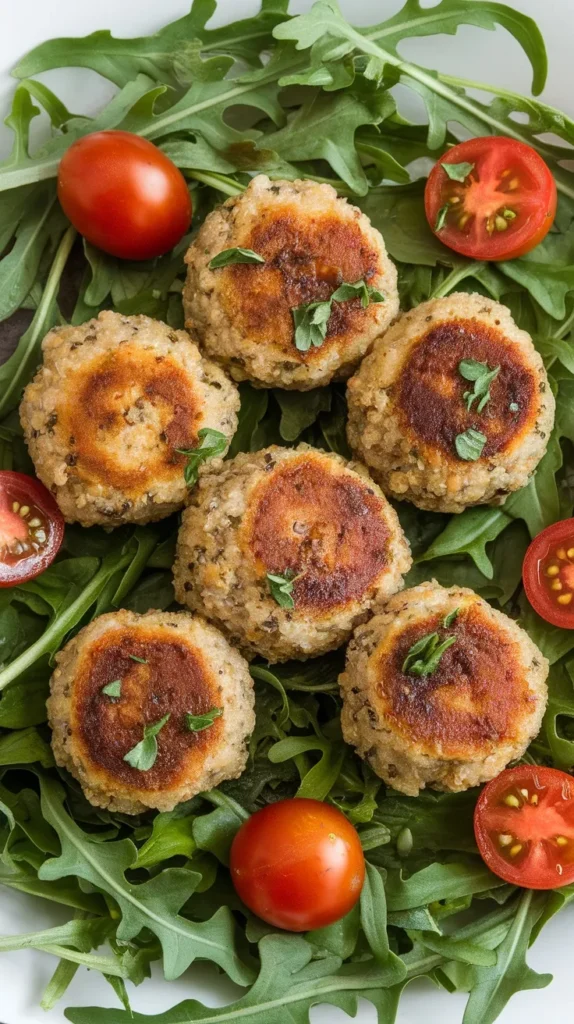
212	443
470	445
311	320
228	257
424	656
281	587
482	377
197	723
144	755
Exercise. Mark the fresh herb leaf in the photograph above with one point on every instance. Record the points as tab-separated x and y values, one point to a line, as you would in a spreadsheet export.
312	319
458	172
450	618
113	689
469	446
230	256
514	407
197	723
360	289
143	756
141	661
424	656
212	443
482	377
441	218
281	587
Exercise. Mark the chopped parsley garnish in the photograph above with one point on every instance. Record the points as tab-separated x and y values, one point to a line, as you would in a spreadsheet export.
311	320
113	689
423	657
514	407
482	377
281	587
458	172
142	661
212	443
197	723
450	618
235	255
469	446
441	217
143	756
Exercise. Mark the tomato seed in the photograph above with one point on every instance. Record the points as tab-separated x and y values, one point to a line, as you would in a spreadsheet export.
562	841
515	850
505	840
552	570
564	599
511	800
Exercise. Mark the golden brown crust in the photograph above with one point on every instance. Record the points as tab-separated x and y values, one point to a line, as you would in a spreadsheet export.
326	528
430	389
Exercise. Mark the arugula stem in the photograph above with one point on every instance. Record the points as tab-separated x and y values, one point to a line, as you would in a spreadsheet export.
562	331
39	324
60	625
227	802
221	182
457	275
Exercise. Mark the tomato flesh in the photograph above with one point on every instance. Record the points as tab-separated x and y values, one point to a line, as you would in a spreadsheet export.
124	195
504	204
524	827
298	864
31	528
548	574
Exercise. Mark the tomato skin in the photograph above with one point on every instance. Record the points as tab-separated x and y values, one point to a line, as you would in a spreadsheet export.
498	162
541	555
298	864
537	846
124	195
26	492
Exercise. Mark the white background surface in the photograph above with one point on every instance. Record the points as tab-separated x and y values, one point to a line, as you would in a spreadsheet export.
473	54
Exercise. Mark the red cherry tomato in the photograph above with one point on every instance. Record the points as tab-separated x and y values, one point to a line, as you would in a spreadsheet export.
298	864
524	827
124	195
548	574
496	200
31	528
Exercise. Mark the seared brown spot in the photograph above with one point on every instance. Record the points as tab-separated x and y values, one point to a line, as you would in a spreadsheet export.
325	525
175	681
431	389
307	258
477	697
127	412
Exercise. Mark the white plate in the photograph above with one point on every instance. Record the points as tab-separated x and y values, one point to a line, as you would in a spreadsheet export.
474	54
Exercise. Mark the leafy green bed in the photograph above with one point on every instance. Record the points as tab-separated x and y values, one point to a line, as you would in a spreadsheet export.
318	105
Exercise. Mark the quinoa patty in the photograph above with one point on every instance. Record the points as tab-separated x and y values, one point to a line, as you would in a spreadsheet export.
301	514
409	402
167	663
461	724
113	400
312	241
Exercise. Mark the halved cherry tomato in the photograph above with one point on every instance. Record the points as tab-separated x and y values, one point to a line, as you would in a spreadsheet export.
491	199
548	574
298	864
124	195
31	528
524	827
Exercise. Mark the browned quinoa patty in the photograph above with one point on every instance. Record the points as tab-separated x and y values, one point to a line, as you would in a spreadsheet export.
311	241
184	666
298	511
103	416
407	405
458	726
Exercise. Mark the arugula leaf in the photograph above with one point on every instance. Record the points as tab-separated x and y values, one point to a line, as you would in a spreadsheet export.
144	755
318	781
25	747
212	444
300	409
457	172
229	256
281	587
172	836
469	533
197	723
495	986
154	904
470	444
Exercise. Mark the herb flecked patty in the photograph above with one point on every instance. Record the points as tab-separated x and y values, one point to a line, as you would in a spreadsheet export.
286	550
453	407
104	415
149	710
441	690
311	242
